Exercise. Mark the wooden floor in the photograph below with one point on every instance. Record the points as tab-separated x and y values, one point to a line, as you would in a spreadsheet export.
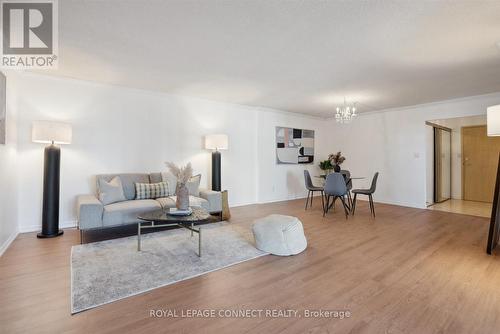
481	209
407	271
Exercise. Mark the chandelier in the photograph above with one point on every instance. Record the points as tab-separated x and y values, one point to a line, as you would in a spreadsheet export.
346	113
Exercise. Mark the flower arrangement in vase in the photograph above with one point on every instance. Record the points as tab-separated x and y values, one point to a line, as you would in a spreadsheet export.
336	160
182	174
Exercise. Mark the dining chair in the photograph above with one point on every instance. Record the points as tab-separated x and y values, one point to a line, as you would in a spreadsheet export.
368	192
335	187
312	189
348	183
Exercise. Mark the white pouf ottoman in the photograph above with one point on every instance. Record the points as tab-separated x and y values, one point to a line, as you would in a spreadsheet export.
279	235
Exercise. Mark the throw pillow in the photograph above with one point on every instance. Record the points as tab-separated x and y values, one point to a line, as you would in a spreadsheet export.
151	190
193	185
112	191
171	182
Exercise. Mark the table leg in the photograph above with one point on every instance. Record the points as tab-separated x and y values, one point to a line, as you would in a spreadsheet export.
138	237
199	241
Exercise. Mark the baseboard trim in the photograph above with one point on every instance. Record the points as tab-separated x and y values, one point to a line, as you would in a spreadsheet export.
34	228
284	199
74	223
7	243
361	198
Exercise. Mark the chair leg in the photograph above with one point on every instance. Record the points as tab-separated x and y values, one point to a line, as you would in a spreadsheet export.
312	196
307	199
349	198
345	206
325	208
348	203
322	200
333	203
354	204
372	205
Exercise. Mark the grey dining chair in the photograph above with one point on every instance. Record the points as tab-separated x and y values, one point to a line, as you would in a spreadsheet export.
335	187
312	189
348	182
367	192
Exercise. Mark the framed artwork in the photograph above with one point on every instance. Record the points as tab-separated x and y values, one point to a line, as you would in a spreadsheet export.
294	146
3	108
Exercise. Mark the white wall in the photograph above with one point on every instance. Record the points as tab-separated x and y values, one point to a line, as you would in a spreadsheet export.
279	182
8	166
393	142
118	129
456	124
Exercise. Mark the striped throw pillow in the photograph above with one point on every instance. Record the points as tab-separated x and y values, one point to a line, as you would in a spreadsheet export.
151	190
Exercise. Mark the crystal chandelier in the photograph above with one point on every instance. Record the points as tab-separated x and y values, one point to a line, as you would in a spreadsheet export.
346	113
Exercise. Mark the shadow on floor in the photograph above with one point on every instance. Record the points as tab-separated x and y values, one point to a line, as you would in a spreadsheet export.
126	231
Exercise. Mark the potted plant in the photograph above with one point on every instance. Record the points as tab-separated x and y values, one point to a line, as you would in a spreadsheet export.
336	160
326	166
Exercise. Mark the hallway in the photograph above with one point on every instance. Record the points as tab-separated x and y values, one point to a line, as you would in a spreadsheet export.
479	209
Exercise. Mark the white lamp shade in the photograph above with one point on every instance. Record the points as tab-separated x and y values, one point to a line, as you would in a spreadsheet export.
493	121
216	142
51	132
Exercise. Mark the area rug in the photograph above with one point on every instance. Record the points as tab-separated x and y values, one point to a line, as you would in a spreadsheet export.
106	271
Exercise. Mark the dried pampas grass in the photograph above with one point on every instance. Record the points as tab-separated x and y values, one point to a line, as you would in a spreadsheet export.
183	174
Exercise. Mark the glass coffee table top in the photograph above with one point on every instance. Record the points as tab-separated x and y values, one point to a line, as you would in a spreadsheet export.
162	216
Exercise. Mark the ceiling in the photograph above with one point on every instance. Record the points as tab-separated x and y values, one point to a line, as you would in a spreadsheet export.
299	56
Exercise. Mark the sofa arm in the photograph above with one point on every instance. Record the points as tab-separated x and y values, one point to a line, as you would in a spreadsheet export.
214	199
89	212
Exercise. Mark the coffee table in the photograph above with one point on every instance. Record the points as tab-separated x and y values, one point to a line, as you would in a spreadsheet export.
161	218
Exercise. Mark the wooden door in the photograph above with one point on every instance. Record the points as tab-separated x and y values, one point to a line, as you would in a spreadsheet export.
479	163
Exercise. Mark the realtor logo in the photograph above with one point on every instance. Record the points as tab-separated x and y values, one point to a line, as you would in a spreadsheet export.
29	34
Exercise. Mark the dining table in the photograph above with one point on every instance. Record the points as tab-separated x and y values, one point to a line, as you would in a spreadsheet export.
347	180
323	176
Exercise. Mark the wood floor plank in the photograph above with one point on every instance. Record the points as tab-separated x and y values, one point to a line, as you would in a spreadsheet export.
405	271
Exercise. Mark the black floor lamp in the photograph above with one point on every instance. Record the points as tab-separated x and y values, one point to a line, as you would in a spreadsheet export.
493	130
216	142
52	133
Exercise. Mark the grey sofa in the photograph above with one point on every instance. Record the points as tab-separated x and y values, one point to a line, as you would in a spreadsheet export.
92	214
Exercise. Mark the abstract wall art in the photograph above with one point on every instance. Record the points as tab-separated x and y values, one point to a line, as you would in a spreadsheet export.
294	146
3	108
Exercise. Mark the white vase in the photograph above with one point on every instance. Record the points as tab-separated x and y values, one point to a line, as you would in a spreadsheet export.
182	193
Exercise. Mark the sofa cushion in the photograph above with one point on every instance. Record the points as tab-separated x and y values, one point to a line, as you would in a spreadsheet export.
169	202
155	177
171	182
151	190
126	212
128	182
193	185
111	192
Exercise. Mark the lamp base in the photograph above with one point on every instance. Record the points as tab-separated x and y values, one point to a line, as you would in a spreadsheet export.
50	205
41	235
216	171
